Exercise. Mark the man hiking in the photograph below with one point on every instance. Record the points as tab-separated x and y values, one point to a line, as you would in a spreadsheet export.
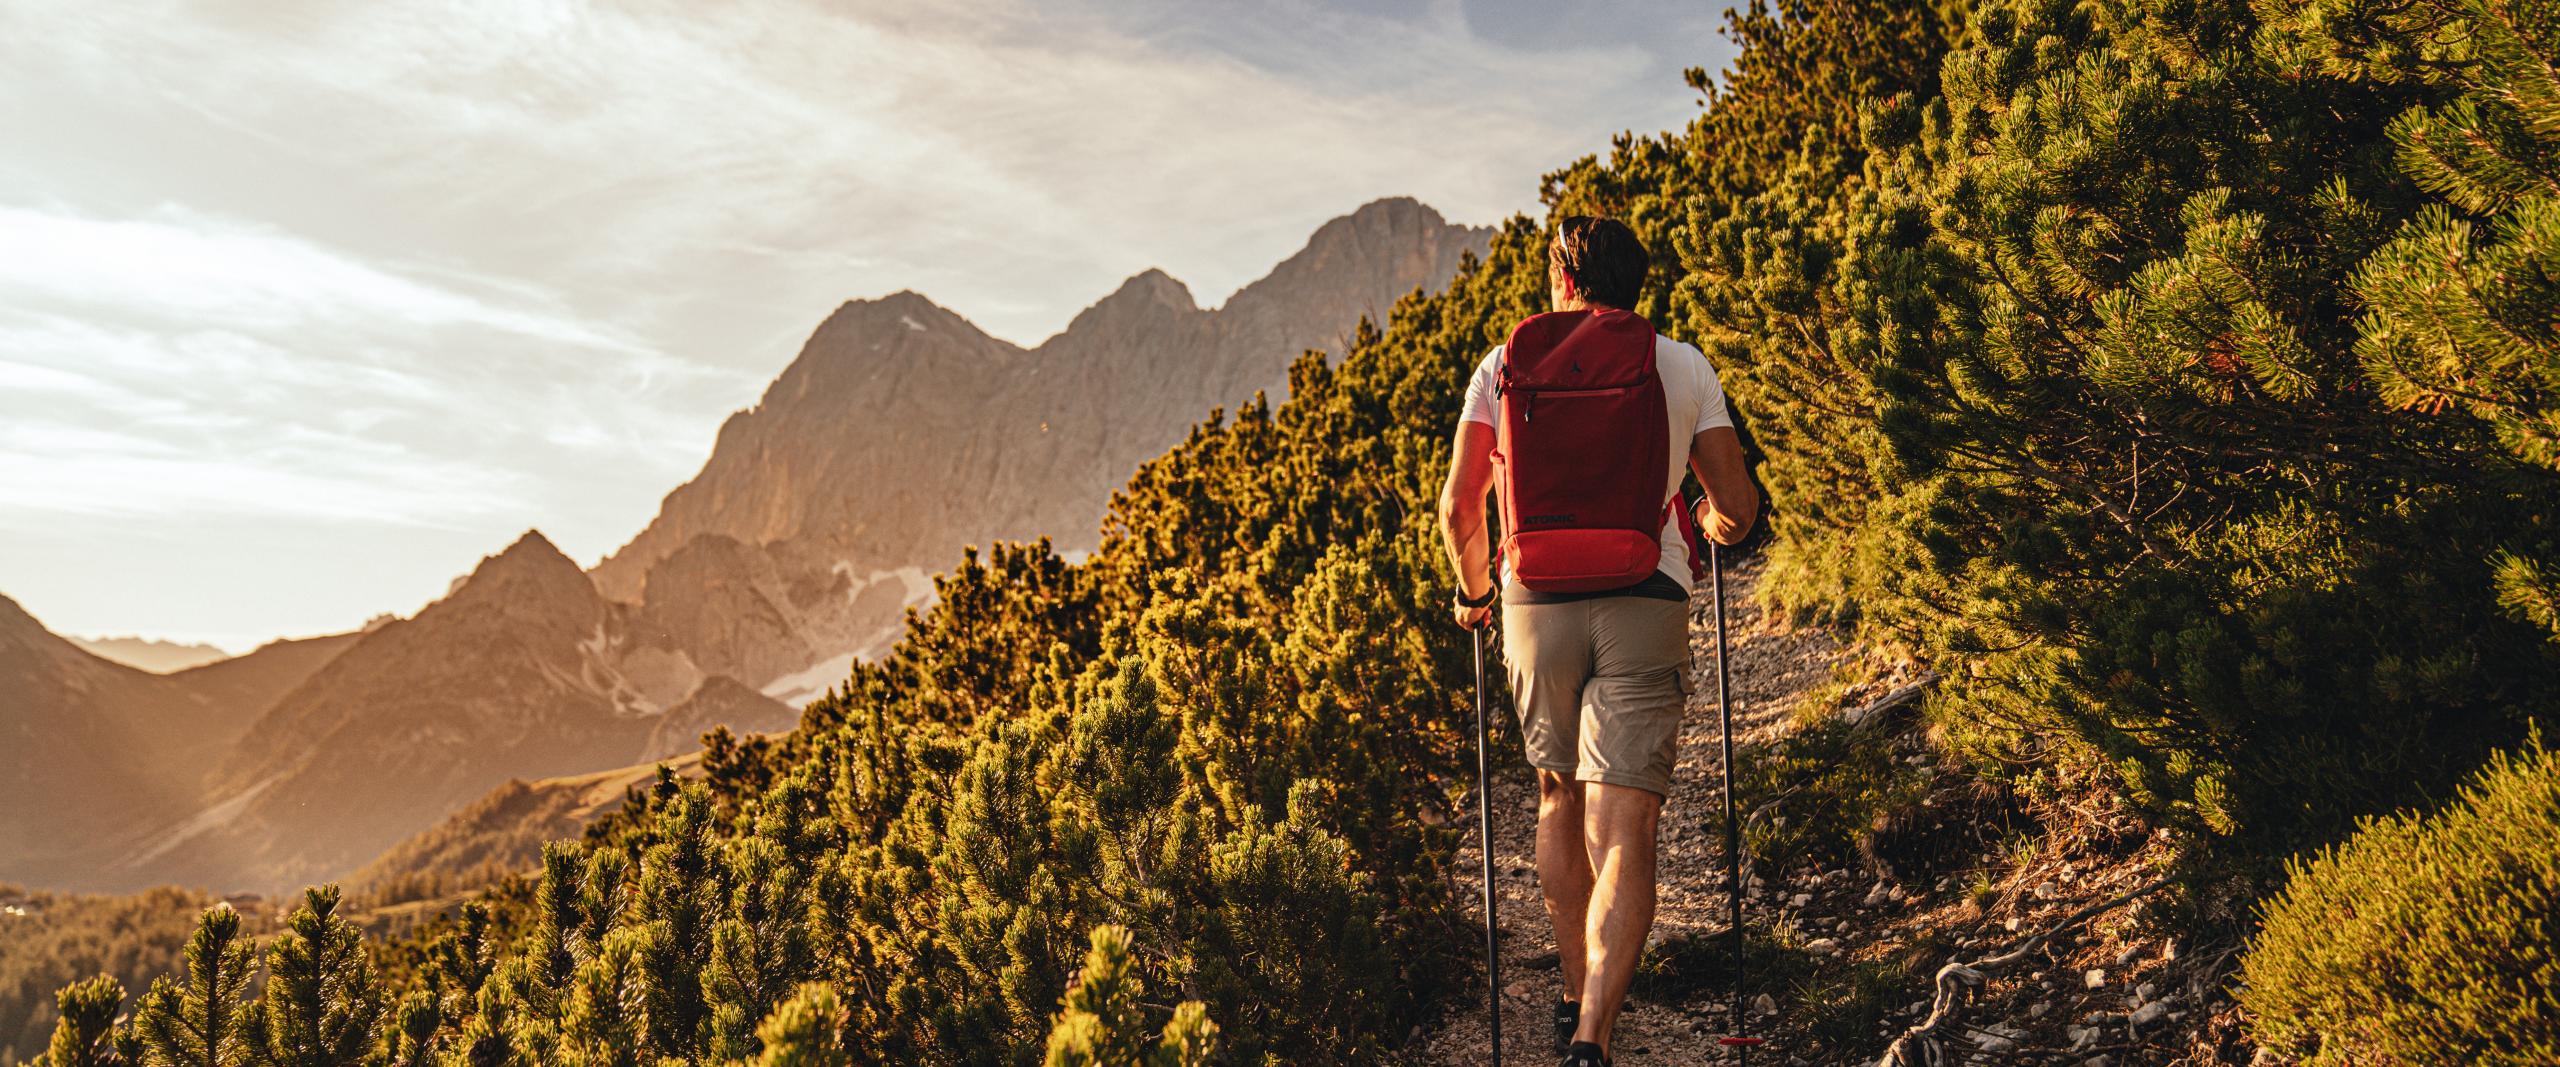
1596	577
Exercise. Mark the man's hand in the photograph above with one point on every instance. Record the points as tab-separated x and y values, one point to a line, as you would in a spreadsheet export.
1719	527
1474	618
1731	504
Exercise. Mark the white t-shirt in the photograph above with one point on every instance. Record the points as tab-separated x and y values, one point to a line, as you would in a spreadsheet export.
1689	389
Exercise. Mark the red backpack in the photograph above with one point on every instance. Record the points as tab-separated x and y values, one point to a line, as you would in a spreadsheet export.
1581	449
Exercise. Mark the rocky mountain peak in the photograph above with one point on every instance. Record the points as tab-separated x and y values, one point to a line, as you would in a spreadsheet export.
531	549
1374	225
1149	299
532	566
1354	266
1400	211
903	312
1155	286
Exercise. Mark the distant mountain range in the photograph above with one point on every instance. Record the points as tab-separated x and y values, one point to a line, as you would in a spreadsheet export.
900	434
91	750
151	654
522	671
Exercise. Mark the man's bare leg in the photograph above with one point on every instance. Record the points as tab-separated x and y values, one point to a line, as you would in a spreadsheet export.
1618	829
1564	872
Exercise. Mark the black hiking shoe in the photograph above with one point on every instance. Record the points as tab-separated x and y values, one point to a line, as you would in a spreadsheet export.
1568	1020
1584	1054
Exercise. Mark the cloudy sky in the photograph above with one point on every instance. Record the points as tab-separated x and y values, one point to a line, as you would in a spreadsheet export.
305	305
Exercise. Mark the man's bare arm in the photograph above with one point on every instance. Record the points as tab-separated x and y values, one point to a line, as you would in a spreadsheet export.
1715	456
1462	508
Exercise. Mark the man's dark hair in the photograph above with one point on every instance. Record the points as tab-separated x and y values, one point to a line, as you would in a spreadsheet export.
1603	257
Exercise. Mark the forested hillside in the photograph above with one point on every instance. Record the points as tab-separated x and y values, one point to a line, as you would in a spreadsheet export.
2176	379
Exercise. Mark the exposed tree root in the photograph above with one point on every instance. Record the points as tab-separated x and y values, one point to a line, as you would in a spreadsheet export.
1872	713
1924	1045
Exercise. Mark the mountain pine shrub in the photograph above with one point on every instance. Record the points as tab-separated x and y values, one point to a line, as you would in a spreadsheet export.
2458	320
2074	398
806	1031
2424	939
1104	1022
86	1034
321	1006
202	1020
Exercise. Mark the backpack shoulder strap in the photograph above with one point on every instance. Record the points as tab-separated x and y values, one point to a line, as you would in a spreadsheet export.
1691	535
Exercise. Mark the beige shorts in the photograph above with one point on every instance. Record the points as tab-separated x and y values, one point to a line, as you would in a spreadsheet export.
1601	684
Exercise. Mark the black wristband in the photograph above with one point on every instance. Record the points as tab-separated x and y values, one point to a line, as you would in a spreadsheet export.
1490	593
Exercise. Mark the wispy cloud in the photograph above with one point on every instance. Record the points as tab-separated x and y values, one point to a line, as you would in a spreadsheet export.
179	364
183	268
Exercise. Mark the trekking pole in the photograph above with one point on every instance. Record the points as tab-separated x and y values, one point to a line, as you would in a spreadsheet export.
1484	847
1740	1044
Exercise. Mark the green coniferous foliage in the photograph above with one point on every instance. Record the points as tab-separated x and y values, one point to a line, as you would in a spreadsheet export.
2458	304
2423	939
1357	675
411	1039
84	1031
2105	442
605	1020
581	894
460	960
1005	906
807	1030
200	1021
734	765
516	1021
1102	1021
993	625
64	939
1281	887
761	948
322	1006
678	893
1757	242
1121	763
